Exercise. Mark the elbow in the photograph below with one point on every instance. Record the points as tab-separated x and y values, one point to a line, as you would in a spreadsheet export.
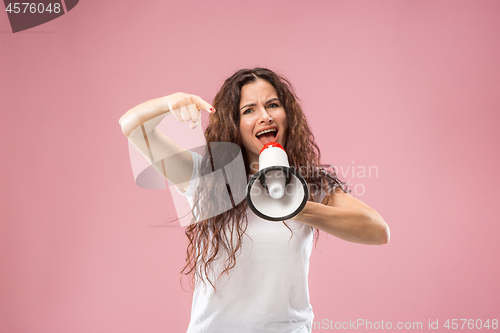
126	124
122	123
385	235
382	234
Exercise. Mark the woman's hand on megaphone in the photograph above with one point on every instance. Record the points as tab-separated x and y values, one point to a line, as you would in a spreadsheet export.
186	107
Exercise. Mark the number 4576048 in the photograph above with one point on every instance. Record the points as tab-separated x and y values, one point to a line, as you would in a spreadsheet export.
32	8
471	324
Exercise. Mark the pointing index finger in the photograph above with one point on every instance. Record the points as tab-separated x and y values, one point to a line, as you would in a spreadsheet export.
201	104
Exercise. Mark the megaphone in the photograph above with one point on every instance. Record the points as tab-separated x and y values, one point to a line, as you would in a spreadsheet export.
277	192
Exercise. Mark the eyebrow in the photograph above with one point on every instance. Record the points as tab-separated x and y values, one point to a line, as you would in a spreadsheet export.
253	104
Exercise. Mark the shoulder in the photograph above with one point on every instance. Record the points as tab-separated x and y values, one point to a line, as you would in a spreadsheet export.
324	182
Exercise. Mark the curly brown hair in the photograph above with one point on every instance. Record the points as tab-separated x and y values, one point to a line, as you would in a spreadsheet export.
222	235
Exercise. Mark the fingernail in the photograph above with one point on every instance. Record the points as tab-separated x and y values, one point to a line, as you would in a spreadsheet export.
194	126
212	110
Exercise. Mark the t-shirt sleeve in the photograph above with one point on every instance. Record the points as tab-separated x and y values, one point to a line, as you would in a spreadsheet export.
321	197
195	179
318	194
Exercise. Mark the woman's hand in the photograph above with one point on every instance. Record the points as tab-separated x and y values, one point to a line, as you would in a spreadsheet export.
186	107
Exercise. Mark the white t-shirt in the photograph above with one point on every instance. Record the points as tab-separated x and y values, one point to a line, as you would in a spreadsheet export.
267	290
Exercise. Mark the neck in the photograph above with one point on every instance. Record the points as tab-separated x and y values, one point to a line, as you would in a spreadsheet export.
253	162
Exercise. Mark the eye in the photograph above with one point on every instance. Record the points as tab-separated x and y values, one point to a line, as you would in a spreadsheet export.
273	105
247	111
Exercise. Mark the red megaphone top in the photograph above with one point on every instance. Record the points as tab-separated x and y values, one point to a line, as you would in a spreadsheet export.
271	144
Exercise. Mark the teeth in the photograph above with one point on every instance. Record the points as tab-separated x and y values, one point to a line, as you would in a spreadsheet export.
266	131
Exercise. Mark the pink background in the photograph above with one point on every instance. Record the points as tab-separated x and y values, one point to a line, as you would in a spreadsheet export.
411	87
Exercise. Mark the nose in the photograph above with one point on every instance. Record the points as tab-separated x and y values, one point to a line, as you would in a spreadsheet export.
264	117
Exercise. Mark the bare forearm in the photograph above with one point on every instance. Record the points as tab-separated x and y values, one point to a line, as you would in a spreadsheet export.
142	113
353	224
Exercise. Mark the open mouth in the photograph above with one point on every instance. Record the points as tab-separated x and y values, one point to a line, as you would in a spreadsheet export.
267	135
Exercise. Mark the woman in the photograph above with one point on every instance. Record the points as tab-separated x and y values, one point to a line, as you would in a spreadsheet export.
256	270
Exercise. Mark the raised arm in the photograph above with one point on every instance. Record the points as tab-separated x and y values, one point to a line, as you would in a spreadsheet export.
168	158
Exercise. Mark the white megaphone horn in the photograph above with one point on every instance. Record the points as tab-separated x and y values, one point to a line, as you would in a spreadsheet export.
277	192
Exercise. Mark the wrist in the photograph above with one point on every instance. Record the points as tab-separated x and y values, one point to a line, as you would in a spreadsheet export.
164	104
